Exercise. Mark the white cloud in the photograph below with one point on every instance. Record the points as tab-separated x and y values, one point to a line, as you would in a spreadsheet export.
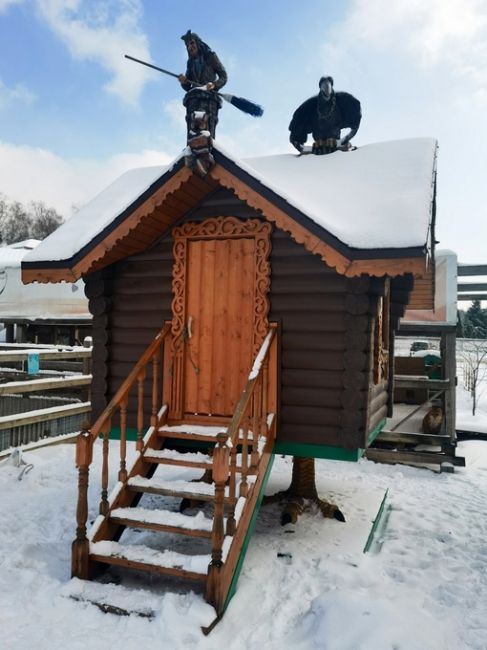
4	4
103	31
33	174
19	93
452	33
176	113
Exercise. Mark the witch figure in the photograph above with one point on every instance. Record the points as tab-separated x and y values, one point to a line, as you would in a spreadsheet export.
204	77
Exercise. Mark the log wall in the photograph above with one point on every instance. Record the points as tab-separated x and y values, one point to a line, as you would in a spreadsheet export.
325	325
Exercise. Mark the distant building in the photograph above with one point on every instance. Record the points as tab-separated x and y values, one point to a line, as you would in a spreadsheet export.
39	313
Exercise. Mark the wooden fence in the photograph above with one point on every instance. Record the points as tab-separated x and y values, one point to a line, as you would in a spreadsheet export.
28	411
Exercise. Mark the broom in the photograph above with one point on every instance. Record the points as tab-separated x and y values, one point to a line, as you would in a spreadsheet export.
241	103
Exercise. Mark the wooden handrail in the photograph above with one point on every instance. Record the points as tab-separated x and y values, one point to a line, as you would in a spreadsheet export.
84	445
249	388
250	415
130	381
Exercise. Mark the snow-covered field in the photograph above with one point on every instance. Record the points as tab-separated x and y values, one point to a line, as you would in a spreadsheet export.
423	586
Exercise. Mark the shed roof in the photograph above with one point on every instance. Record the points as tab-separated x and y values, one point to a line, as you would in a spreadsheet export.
353	209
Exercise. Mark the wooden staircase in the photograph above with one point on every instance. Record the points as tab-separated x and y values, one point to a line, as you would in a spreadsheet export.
234	457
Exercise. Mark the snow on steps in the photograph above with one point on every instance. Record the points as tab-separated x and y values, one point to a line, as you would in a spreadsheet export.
192	460
196	432
113	599
142	557
179	488
197	525
172	457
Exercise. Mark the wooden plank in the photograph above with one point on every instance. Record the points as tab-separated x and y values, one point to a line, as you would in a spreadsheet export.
45	355
43	415
14	387
416	457
448	354
418	381
152	568
413	438
180	494
65	438
225	319
163	528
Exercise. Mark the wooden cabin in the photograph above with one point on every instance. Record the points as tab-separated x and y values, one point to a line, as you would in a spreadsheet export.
251	311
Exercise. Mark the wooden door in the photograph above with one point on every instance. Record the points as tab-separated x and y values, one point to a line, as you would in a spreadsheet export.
219	302
220	312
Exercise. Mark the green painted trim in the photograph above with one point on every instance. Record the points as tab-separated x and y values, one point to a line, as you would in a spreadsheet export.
375	523
250	530
373	434
317	451
115	434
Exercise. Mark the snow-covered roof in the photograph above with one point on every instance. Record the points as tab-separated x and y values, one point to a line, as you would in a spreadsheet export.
12	255
95	216
26	244
378	196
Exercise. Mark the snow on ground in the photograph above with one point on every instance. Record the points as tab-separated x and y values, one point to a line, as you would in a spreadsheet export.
424	590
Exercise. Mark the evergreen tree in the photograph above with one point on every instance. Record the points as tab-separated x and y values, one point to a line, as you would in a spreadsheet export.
475	325
460	323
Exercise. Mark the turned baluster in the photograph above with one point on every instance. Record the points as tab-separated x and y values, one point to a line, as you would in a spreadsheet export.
81	546
104	469
232	488
155	370
221	460
244	488
122	474
140	409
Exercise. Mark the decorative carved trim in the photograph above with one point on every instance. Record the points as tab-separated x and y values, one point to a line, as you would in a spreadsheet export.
281	219
331	257
351	268
113	238
381	337
223	228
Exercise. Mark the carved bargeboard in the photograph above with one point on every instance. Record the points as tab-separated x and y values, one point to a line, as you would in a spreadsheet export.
221	279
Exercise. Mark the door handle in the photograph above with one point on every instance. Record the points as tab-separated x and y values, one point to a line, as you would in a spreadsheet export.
190	327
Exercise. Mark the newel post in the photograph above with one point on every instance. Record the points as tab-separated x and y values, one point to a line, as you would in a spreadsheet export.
221	466
81	545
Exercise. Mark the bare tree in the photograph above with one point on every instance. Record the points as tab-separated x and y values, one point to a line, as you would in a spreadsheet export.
44	220
3	213
18	223
15	223
474	357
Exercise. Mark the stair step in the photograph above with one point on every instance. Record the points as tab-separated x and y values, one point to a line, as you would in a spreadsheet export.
113	598
144	558
194	432
194	490
163	520
196	460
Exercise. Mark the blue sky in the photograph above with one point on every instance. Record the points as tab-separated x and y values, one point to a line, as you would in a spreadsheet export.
74	114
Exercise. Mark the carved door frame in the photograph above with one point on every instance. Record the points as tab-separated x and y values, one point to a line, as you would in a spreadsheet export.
210	229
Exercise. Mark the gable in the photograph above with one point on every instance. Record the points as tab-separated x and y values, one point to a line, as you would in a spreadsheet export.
113	227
